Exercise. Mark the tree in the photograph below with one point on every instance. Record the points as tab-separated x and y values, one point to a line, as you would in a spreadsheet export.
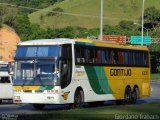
9	20
151	17
128	25
67	32
22	26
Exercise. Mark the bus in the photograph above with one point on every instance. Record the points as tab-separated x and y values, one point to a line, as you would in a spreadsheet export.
74	71
5	82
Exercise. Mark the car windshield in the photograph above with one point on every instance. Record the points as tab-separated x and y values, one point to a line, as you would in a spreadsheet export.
3	67
38	72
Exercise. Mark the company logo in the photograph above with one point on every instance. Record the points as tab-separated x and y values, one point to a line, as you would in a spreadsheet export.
65	95
120	72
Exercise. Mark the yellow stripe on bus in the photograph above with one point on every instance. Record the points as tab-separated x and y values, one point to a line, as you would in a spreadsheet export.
26	87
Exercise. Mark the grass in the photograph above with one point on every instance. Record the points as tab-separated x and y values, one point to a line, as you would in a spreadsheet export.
106	112
114	11
155	76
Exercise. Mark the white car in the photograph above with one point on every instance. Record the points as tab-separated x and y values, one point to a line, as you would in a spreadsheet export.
5	82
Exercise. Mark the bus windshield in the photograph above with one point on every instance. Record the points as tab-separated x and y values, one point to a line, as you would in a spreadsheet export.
38	72
3	67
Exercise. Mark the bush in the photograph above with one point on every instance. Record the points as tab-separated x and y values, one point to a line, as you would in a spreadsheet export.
55	12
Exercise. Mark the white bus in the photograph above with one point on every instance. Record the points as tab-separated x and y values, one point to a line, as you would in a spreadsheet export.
68	71
6	90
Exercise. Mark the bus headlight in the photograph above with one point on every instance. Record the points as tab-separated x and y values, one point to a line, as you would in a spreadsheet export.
53	91
17	91
17	97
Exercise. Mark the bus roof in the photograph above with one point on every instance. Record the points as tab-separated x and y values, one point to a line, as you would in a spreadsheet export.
59	41
113	45
3	62
56	41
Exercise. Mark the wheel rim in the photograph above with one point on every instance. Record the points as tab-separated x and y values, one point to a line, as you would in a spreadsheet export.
78	99
135	95
127	96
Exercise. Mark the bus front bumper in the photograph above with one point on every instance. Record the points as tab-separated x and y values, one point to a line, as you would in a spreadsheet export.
37	98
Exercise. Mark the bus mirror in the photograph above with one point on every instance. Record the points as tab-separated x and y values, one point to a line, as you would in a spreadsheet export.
10	71
10	68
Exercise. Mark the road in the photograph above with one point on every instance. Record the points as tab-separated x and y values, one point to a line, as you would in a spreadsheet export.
10	108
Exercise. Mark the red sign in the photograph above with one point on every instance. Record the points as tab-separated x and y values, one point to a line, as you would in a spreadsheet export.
114	38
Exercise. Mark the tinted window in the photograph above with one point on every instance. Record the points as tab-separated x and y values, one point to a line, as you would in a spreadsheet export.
38	51
90	55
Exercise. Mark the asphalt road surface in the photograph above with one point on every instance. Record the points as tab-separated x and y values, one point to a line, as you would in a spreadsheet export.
7	107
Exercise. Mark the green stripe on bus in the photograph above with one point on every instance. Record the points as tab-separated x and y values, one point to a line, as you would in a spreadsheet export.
85	43
93	80
103	80
46	88
98	80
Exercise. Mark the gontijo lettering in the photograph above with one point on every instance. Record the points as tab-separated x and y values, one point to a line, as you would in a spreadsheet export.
120	72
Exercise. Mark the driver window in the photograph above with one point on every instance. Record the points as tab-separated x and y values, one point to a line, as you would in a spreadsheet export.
66	66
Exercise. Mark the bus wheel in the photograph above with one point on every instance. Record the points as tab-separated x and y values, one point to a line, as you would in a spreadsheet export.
127	96
38	106
135	95
0	101
78	99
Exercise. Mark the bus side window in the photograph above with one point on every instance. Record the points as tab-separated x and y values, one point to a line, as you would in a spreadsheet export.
133	57
111	58
106	56
92	56
130	54
126	58
115	57
80	54
77	54
86	55
120	58
145	60
98	56
66	66
102	57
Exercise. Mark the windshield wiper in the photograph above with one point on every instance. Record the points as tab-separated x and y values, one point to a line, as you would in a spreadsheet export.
37	78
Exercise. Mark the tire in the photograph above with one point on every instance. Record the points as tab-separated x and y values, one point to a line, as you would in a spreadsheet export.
78	99
135	95
38	106
127	96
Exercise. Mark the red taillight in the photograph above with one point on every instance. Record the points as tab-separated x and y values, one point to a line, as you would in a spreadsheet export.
18	101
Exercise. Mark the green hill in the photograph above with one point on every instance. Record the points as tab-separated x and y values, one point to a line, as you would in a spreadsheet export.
85	13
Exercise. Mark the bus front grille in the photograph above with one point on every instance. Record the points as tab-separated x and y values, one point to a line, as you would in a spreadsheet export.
27	91
39	91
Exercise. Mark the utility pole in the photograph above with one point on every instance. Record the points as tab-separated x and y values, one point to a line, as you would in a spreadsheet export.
142	21
101	21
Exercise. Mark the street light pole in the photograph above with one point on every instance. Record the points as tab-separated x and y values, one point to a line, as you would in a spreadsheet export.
142	21
101	21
